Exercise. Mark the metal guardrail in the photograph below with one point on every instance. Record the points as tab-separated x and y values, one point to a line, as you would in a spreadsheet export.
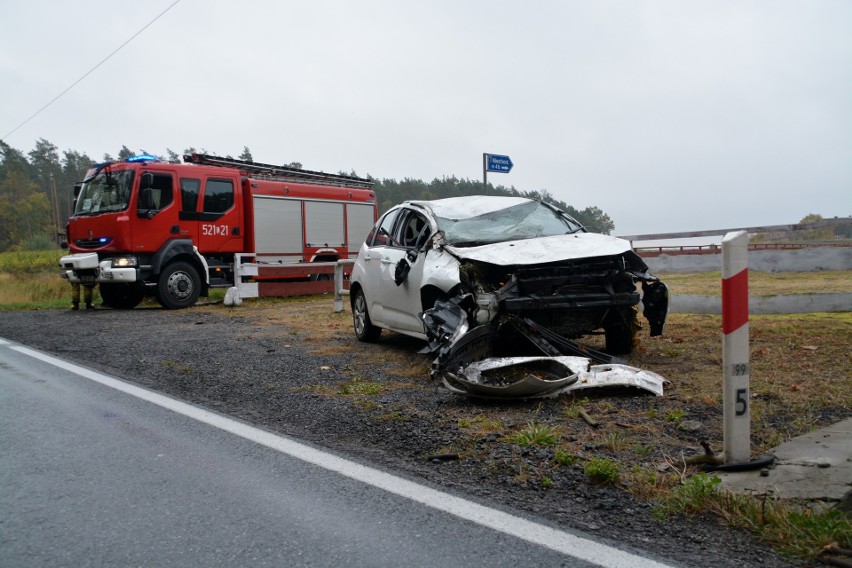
716	249
836	222
339	290
275	279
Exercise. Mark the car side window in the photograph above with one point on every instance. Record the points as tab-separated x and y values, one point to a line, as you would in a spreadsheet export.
380	236
413	230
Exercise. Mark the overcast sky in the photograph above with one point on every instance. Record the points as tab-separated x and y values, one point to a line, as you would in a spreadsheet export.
668	115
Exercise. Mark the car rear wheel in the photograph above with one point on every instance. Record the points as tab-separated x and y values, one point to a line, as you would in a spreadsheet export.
364	328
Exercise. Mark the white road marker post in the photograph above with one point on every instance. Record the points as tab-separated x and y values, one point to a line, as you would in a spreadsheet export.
736	409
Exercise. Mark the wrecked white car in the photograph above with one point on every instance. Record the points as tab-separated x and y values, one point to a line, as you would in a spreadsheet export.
485	276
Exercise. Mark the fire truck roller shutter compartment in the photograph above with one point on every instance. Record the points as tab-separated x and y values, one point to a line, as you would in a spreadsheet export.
323	224
359	220
278	228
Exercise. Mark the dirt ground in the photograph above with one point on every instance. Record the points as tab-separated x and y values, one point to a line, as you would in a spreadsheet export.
294	367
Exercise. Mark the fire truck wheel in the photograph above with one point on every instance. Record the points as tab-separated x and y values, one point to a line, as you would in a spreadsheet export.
122	296
364	328
179	286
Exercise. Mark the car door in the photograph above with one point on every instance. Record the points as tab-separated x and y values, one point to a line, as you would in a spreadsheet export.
368	266
400	272
393	306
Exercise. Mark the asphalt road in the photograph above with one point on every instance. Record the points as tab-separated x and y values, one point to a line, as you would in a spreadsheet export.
98	472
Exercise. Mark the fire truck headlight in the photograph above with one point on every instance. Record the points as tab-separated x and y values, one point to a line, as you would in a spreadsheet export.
124	262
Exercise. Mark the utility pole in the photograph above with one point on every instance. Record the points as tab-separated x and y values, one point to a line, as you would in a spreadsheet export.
56	215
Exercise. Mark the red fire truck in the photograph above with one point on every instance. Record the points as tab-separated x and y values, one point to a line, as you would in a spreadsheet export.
171	230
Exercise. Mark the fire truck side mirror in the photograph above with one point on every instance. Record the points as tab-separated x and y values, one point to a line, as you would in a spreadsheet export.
145	207
146	203
77	188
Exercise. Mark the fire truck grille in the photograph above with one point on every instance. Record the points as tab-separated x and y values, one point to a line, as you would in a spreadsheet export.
88	243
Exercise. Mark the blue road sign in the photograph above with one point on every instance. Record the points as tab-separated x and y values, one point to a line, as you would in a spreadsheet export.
496	163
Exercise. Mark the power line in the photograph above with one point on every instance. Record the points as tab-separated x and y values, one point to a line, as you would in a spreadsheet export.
90	71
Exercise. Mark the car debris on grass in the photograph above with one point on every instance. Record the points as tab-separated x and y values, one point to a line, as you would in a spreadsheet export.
543	377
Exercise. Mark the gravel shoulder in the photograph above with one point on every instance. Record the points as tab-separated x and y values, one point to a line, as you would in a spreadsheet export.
239	363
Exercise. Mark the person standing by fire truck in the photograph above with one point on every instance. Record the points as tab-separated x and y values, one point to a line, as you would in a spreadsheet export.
88	290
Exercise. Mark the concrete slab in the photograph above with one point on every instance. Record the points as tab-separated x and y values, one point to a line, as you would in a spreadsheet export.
813	467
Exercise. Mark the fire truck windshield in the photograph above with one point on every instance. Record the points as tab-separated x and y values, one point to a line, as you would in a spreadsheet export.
106	192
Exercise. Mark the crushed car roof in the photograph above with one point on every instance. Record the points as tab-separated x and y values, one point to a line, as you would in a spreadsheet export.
519	251
470	206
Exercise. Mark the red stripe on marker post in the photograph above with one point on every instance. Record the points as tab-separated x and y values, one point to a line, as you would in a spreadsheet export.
735	302
736	399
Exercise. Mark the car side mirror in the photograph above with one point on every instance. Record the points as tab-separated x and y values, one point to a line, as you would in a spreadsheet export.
403	267
402	270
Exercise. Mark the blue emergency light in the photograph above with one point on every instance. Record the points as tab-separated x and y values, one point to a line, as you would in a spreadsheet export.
142	158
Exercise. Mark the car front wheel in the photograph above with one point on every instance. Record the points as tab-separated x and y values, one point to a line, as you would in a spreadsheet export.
619	340
364	328
620	330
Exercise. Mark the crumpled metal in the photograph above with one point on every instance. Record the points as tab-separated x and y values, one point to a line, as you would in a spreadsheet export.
544	377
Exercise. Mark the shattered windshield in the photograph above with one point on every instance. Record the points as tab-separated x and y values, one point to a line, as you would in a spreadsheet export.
107	191
524	221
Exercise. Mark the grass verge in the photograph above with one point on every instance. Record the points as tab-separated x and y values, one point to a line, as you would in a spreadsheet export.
796	530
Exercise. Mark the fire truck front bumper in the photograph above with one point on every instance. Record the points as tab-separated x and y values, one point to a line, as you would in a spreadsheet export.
86	268
110	273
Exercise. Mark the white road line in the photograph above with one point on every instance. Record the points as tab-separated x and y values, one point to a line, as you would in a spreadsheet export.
554	539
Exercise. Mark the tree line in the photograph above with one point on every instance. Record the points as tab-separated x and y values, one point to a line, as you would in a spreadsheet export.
36	192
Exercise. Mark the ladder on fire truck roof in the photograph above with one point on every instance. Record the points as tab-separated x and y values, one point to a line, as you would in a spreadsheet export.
283	173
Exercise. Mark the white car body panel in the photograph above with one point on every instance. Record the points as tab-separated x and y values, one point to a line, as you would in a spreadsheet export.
442	271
